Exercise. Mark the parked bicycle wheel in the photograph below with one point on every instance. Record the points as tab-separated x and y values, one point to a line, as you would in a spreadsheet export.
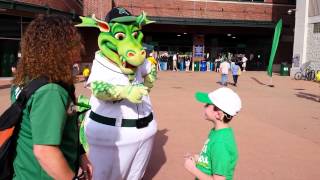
298	76
311	75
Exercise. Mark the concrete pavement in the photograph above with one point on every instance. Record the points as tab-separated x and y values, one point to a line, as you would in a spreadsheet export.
277	130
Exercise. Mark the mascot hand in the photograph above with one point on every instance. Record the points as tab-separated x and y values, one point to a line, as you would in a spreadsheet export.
105	91
151	77
83	105
134	93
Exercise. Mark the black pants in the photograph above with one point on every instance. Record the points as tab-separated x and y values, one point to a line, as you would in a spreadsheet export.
235	79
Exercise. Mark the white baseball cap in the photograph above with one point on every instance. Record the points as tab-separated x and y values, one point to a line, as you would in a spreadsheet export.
224	98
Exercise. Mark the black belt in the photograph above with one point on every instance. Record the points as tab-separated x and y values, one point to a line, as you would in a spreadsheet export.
138	123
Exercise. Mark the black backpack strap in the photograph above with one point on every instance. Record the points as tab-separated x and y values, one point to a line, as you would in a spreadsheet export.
70	89
26	92
12	116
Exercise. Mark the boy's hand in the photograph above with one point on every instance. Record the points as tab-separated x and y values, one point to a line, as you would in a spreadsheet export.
189	162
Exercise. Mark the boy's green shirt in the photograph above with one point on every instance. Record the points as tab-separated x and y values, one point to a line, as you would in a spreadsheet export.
219	155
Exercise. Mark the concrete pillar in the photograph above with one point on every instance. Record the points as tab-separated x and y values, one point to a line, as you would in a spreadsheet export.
300	35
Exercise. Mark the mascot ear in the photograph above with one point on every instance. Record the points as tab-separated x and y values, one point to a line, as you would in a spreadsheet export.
94	22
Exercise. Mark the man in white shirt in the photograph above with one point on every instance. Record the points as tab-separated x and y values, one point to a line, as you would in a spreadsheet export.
244	62
224	68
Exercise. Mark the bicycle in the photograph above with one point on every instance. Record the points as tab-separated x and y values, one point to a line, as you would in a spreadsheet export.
305	74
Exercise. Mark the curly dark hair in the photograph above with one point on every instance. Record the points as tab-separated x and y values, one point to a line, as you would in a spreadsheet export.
49	47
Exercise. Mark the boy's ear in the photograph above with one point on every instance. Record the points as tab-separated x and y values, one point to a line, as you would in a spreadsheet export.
220	115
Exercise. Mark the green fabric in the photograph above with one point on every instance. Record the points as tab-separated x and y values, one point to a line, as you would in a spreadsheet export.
83	101
275	43
219	155
107	91
124	19
45	121
203	97
150	79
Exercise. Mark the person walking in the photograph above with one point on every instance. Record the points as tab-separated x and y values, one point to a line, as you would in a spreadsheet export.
236	71
244	62
219	155
217	63
174	61
47	142
224	68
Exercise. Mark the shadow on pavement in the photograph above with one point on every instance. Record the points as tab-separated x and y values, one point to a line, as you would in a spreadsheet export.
158	156
5	86
308	96
259	82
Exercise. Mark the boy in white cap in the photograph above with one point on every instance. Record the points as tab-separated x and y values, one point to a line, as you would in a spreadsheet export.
219	155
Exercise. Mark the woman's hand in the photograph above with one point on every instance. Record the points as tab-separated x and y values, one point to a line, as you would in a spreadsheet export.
86	167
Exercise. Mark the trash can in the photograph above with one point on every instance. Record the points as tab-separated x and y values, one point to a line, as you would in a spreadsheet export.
163	66
284	69
196	66
203	66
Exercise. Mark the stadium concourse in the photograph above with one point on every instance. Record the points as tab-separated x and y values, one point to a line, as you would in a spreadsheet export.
277	130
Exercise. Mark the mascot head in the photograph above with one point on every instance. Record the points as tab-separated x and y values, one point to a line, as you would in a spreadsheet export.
120	38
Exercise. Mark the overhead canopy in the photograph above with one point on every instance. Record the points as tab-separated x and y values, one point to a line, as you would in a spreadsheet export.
211	22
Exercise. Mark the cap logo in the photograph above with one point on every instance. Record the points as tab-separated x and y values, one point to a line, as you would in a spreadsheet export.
123	11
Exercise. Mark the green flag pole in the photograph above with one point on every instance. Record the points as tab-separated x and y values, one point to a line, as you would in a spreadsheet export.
275	42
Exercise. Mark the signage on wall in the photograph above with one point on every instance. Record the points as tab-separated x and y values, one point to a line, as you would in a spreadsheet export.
198	50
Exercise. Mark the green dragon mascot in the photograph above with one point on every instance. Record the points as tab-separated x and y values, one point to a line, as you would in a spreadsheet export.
120	126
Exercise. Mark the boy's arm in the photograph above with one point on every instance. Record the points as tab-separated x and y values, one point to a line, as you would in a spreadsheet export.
190	165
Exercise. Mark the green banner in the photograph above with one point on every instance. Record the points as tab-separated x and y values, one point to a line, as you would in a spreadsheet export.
275	43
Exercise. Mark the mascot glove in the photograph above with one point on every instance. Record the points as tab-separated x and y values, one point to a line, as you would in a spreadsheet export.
109	92
150	78
105	91
134	93
83	104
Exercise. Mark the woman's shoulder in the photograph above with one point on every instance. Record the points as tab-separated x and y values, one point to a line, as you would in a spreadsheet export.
52	87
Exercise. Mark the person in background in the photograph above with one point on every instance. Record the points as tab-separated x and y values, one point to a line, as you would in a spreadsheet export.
224	69
235	70
85	74
244	62
219	155
187	63
217	63
175	61
47	143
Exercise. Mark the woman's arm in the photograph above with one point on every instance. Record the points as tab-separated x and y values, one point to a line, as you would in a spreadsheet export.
53	162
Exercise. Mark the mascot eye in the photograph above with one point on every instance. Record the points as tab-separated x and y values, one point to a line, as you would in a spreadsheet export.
120	36
135	34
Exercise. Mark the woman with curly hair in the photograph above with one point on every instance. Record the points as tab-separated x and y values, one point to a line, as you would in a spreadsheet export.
47	143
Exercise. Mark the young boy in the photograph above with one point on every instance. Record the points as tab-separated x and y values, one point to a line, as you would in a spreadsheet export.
219	155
